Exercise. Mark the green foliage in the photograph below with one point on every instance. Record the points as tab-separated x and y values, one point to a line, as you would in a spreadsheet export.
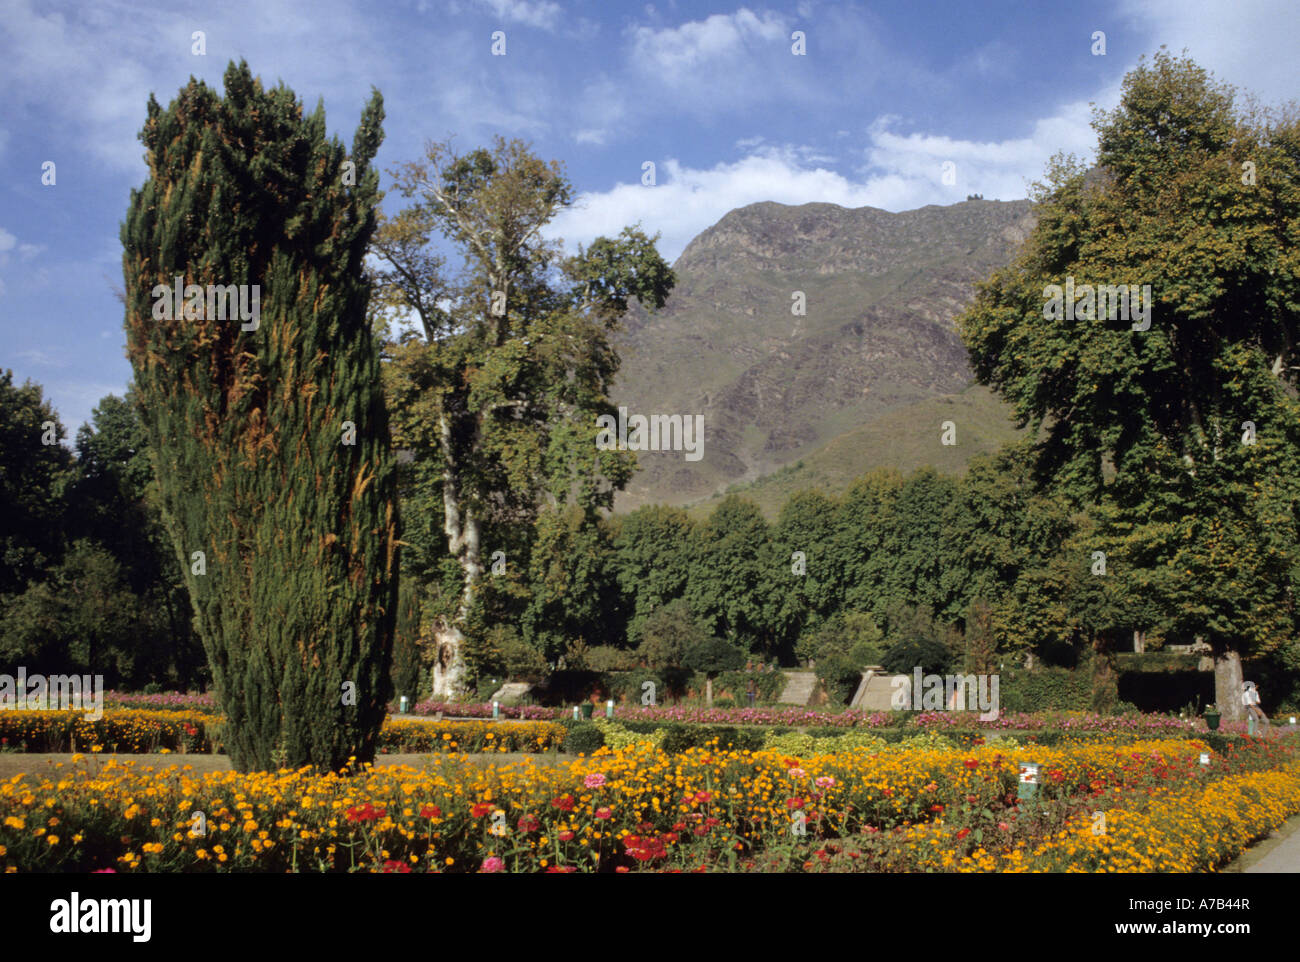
608	658
33	477
840	675
679	737
297	602
1148	425
797	744
1042	689
620	736
767	685
584	738
406	645
668	634
915	641
731	588
712	656
498	398
652	562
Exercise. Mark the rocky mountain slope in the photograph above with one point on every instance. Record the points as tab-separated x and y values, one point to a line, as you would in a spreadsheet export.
877	339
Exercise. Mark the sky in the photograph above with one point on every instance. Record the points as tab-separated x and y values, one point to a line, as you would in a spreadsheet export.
715	95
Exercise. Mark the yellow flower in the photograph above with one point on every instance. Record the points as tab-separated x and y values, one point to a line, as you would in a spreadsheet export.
53	840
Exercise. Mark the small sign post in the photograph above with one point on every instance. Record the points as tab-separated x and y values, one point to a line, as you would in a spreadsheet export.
1028	790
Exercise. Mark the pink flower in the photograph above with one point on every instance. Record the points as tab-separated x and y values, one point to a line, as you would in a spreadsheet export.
603	812
594	780
825	782
493	864
798	773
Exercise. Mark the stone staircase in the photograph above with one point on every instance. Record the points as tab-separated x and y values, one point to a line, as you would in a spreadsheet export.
800	686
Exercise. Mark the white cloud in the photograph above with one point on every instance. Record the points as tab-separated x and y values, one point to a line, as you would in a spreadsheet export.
901	172
10	248
542	14
41	358
1248	43
719	36
720	54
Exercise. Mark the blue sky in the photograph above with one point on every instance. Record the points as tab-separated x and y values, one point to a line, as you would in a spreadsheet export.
708	91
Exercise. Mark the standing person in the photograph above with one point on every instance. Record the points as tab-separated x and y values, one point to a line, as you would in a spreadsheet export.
1250	698
752	691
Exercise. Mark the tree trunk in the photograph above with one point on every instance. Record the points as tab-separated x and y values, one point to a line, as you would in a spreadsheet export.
1227	685
448	668
463	542
1139	641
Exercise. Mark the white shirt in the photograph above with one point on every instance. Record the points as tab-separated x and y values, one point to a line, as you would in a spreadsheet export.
1250	697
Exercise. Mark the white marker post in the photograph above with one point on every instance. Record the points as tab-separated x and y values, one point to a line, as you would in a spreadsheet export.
496	711
609	708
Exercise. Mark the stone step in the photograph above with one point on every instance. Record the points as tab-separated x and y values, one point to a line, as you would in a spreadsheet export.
800	686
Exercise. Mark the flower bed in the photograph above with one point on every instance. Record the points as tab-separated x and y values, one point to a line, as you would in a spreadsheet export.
403	735
1194	828
128	730
133	731
165	701
701	809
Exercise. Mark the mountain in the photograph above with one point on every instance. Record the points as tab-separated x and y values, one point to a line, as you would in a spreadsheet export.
853	383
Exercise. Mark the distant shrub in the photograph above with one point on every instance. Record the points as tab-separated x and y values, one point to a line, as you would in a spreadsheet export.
584	738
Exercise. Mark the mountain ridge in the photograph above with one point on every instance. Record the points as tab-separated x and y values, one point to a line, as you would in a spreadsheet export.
880	292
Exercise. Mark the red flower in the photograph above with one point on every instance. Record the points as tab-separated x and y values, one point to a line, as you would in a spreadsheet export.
430	811
527	823
365	813
564	803
561	869
963	833
936	808
793	803
565	836
701	830
972	763
603	813
396	865
703	797
622	868
479	809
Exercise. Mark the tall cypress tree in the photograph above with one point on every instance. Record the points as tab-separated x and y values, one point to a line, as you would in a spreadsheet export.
293	507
